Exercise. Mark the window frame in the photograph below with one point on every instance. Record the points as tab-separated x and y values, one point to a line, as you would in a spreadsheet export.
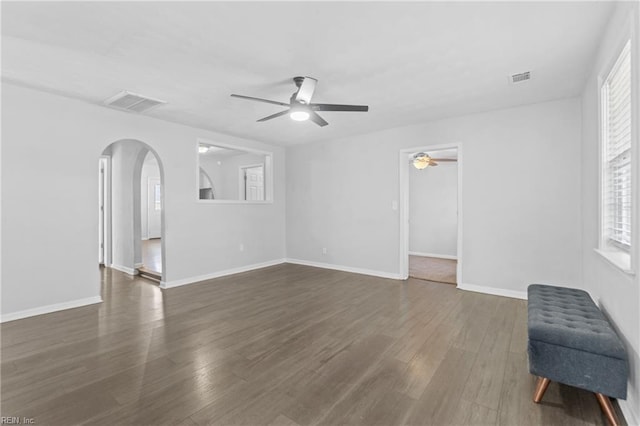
625	260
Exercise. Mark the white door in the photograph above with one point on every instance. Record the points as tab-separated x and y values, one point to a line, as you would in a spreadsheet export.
254	183
154	208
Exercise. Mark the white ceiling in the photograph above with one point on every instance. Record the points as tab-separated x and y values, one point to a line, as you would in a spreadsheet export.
410	62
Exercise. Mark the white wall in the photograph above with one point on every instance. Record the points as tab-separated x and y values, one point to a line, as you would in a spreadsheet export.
62	223
433	210
214	171
520	196
150	170
617	293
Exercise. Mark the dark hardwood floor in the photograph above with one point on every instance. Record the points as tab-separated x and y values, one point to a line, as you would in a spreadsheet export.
287	345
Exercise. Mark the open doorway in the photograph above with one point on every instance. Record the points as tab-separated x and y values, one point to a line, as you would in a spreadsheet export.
151	218
131	230
431	235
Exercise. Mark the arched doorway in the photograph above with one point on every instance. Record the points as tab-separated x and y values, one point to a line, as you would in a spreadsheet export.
131	209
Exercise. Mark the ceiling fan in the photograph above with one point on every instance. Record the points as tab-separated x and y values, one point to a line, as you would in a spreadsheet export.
423	160
300	106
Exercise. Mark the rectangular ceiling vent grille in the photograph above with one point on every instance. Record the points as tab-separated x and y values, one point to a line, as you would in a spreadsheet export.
132	102
519	78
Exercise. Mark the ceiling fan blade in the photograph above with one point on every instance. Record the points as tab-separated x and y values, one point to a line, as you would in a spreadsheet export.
445	159
305	92
276	115
334	107
251	98
317	119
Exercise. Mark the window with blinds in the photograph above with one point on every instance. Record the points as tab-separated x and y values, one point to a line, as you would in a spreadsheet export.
616	107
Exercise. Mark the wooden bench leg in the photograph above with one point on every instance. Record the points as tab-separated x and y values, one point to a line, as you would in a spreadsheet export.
607	408
541	387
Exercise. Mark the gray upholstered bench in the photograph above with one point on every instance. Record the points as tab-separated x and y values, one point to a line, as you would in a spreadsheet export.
571	342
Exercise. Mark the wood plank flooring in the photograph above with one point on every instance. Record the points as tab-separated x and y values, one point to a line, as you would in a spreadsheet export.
433	269
152	255
287	345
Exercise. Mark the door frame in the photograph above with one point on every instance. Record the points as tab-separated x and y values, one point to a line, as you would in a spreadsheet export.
149	179
104	210
403	243
242	184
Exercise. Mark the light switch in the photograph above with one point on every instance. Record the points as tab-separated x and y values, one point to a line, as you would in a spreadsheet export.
394	205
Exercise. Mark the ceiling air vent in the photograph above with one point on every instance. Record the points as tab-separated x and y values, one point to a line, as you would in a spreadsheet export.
132	102
520	77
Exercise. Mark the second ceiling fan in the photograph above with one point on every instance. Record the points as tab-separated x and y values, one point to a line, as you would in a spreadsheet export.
422	160
300	106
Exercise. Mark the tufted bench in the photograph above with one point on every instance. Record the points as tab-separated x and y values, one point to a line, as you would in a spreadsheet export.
571	342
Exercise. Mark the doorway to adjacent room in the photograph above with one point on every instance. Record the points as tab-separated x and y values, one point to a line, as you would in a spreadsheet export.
131	219
430	213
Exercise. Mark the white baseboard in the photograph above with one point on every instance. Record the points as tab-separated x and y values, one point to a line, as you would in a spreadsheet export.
439	256
138	265
124	269
192	280
346	269
50	308
628	411
494	291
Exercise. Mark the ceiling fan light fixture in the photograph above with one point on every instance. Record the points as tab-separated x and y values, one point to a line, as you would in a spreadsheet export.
299	115
421	161
299	112
300	106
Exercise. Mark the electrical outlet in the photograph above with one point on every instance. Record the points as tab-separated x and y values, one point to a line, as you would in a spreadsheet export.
241	247
324	250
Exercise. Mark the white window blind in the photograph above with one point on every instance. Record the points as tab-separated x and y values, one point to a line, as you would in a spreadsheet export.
616	103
